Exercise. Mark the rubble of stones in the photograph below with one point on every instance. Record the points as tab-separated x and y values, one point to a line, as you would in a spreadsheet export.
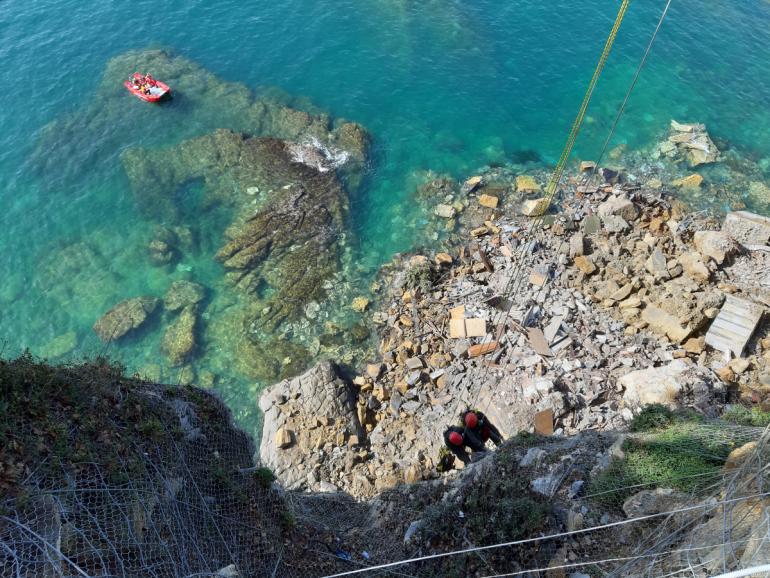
569	326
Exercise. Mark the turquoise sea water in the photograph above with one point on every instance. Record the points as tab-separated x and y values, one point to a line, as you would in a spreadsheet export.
441	85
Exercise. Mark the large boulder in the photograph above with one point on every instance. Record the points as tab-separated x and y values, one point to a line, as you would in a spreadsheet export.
716	245
654	385
126	316
312	412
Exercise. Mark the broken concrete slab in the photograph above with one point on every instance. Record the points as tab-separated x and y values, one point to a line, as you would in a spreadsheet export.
734	325
748	228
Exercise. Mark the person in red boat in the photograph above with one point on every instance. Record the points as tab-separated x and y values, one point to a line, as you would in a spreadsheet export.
150	80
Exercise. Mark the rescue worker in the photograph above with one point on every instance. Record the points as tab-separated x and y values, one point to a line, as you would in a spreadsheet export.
481	427
458	438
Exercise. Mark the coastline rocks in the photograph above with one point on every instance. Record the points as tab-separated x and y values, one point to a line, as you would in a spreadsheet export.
60	345
161	253
126	316
179	339
284	245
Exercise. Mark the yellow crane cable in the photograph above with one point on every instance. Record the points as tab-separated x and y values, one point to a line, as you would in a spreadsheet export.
553	183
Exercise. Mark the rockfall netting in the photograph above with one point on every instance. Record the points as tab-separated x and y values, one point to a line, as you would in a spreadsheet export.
709	517
193	504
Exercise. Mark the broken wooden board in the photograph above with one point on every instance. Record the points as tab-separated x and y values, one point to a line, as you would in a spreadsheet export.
544	422
734	325
482	349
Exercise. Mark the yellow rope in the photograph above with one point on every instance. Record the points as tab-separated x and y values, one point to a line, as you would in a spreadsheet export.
553	183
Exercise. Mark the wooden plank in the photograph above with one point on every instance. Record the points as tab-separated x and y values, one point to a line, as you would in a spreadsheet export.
482	349
544	422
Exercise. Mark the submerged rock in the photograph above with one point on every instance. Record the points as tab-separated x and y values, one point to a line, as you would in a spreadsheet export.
287	243
126	316
179	340
183	294
690	143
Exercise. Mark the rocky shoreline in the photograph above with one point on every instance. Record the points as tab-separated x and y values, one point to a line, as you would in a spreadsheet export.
614	309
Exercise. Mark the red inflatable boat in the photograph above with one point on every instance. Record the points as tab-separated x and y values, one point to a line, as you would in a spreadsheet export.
147	88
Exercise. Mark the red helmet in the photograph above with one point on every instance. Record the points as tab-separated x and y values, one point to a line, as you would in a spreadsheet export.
455	439
471	419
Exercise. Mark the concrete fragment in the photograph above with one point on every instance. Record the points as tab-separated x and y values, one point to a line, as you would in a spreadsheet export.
665	323
714	244
534	207
538	342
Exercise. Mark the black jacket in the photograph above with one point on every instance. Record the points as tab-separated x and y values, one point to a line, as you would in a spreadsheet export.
484	429
470	440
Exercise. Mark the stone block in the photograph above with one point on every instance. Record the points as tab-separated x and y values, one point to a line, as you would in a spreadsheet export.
527	184
488	201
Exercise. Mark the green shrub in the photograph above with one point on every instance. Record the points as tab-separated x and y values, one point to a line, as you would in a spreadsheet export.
652	417
676	456
420	276
741	415
265	477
